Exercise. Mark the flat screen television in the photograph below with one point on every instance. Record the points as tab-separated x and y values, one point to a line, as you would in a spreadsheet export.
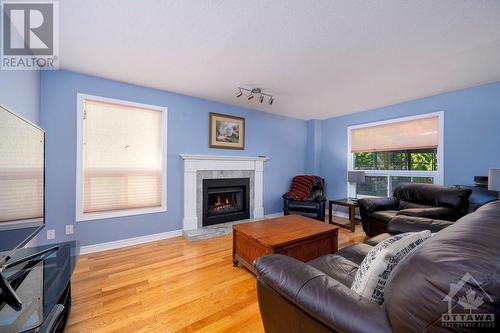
22	181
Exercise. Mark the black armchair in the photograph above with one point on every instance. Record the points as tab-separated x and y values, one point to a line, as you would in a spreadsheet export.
313	206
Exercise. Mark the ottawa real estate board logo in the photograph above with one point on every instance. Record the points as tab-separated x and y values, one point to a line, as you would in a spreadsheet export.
465	301
30	35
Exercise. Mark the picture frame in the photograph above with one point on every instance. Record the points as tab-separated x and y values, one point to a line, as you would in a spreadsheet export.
226	132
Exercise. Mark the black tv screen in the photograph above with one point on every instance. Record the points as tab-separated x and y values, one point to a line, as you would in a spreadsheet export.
22	179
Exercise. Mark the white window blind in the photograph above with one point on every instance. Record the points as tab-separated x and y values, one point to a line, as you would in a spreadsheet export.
21	170
405	135
122	157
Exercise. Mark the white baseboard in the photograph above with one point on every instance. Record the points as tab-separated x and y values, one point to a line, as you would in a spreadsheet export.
270	216
128	242
142	239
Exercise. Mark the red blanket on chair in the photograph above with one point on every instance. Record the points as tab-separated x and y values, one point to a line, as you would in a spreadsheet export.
301	187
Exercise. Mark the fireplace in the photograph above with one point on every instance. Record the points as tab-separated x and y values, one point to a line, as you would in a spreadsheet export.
225	200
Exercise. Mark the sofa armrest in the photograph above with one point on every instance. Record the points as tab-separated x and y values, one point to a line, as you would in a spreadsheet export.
320	296
371	205
402	223
442	213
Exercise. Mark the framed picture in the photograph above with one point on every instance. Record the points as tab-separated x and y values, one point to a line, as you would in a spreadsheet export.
226	132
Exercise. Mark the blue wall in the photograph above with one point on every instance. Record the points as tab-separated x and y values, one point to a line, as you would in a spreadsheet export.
471	134
280	138
20	92
313	147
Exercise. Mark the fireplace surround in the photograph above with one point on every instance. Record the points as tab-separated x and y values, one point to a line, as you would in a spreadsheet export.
200	167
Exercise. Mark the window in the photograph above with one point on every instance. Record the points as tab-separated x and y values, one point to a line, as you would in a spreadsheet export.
396	151
121	158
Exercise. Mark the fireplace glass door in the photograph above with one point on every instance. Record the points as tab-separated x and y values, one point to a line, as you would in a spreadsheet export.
225	200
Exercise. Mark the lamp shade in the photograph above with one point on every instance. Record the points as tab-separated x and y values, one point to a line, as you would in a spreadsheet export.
357	177
494	180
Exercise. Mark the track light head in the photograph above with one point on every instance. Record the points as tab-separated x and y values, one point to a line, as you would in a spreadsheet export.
250	96
239	93
271	100
261	98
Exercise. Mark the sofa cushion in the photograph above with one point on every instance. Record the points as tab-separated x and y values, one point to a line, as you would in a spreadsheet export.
303	206
377	266
430	212
403	204
385	215
355	253
433	195
401	224
337	267
377	239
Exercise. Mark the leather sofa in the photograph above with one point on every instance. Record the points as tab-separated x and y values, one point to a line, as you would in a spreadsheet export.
316	297
313	206
417	200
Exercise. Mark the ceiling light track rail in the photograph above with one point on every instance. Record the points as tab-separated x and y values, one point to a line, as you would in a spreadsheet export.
251	93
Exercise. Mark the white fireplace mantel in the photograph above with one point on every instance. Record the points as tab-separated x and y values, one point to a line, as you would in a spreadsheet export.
195	163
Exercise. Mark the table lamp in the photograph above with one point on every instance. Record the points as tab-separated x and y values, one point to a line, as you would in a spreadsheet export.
355	177
494	180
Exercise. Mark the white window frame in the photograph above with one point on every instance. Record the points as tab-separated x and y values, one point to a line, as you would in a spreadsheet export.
437	175
80	215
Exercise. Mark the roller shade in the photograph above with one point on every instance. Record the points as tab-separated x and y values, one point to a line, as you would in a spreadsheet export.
122	157
404	135
21	170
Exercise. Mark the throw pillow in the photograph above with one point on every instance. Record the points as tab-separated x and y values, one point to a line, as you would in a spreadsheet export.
378	264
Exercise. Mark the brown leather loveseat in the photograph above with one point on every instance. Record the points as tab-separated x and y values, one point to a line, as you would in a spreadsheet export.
413	200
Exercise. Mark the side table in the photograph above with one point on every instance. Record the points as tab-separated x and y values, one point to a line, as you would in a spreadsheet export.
351	204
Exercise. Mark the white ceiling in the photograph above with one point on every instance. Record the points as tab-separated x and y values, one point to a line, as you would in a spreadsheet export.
320	58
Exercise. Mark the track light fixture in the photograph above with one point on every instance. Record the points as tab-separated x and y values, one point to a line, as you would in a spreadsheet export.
255	92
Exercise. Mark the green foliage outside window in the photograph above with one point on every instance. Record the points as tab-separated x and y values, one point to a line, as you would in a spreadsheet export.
425	160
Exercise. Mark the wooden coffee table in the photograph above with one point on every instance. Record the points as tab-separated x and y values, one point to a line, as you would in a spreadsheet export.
293	235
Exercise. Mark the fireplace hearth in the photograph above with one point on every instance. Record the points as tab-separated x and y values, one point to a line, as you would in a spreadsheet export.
225	200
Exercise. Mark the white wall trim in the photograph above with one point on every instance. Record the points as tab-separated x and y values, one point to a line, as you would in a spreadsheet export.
79	215
273	215
438	175
128	242
222	157
144	239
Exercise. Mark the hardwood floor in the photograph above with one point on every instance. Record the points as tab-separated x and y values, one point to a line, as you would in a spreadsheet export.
172	285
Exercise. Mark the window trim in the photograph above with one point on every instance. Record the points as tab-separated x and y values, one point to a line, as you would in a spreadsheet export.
79	215
437	175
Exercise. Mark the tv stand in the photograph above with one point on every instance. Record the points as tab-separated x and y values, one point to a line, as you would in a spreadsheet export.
10	296
35	284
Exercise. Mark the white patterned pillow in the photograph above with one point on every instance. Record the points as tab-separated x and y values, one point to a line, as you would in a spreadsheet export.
378	264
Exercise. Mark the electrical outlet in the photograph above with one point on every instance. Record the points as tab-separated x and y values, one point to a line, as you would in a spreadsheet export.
69	229
51	234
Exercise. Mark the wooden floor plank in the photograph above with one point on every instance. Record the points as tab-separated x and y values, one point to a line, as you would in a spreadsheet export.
173	285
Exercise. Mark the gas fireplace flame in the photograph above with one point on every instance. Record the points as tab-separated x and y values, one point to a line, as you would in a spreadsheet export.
223	203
